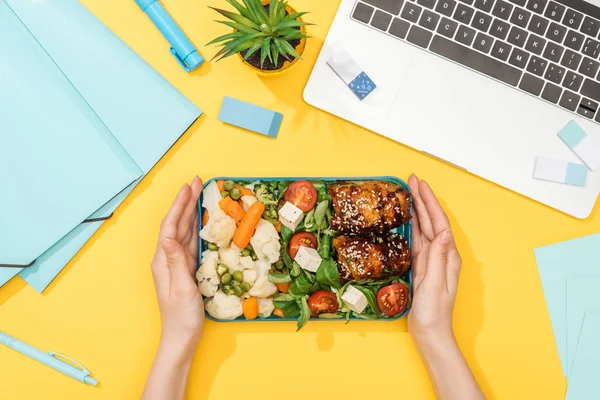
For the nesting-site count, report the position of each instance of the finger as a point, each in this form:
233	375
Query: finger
425	225
437	260
182	282
191	207
169	225
417	242
419	266
193	246
439	220
454	267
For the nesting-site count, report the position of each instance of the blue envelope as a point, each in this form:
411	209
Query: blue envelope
140	113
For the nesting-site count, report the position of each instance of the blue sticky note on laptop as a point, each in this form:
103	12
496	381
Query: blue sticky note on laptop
248	116
570	259
583	383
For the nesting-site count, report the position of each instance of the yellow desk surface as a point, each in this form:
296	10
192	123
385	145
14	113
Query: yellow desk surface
102	311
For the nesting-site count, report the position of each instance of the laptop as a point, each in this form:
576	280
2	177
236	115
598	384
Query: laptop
485	85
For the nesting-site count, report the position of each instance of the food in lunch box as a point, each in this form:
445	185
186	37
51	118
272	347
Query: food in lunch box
301	249
368	207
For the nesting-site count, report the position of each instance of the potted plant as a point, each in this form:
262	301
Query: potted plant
269	36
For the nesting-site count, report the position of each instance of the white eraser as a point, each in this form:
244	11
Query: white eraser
351	73
560	171
587	147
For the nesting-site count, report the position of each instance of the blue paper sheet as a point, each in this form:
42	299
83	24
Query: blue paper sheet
583	383
573	258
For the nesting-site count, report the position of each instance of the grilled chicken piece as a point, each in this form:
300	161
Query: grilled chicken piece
368	207
372	257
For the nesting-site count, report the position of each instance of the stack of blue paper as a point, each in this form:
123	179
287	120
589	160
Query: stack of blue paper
82	120
570	274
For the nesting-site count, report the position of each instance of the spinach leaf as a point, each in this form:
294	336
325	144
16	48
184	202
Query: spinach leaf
296	270
371	296
310	224
328	273
286	234
330	316
285	256
282	298
325	246
277	277
321	190
309	276
291	310
300	286
281	186
321	214
304	313
287	304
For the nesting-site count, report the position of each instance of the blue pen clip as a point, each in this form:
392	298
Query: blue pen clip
81	367
179	60
85	373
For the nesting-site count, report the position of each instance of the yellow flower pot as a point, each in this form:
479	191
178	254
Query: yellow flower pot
287	64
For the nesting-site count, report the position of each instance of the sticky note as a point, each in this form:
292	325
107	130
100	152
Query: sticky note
251	117
557	262
351	73
560	171
583	383
583	296
587	147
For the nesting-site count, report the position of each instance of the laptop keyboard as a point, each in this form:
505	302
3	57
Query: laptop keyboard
548	49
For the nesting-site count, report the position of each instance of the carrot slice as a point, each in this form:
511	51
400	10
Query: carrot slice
232	208
205	218
221	185
278	226
250	307
244	191
278	312
283	287
248	225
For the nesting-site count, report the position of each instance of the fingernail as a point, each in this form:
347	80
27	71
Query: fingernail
167	244
446	236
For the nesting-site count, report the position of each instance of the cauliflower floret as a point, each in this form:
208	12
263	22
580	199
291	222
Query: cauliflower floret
262	267
220	228
251	185
224	307
207	288
265	241
265	307
230	256
262	288
250	276
247	201
247	262
208	279
211	197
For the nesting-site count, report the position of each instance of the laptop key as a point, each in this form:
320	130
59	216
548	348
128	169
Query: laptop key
363	13
555	12
553	52
556	32
419	36
465	35
469	2
555	73
535	44
520	17
590	26
551	93
519	2
572	18
569	100
447	27
399	28
537	65
463	14
517	36
591	48
589	67
484	5
572	81
481	21
426	3
531	84
519	58
381	20
499	29
477	61
571	60
391	6
411	12
574	40
483	42
587	108
501	50
429	20
446	7
537	5
502	9
538	25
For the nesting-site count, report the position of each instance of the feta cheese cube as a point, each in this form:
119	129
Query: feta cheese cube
308	258
355	299
290	215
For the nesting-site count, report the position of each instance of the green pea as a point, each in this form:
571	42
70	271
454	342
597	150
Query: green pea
227	289
238	291
238	276
228	185
226	278
279	265
235	193
245	286
254	257
224	193
246	252
213	247
249	247
221	269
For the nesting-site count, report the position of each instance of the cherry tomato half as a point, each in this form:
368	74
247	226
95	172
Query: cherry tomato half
302	239
302	194
321	302
393	299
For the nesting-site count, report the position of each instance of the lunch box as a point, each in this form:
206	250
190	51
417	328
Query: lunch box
404	230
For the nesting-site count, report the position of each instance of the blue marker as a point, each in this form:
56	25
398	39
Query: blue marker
182	49
50	359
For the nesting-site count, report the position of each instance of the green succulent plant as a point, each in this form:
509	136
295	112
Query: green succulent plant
256	29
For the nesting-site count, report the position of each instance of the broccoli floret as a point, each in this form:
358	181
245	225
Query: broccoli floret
266	195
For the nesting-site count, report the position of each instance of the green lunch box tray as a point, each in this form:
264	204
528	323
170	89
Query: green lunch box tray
404	230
